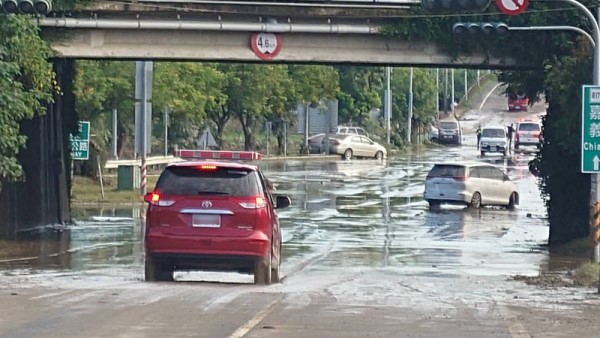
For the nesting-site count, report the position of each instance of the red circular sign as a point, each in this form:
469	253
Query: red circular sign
265	45
512	7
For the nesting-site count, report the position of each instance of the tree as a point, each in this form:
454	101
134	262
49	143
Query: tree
423	98
314	84
280	102
361	90
557	178
250	98
189	90
26	84
100	87
221	113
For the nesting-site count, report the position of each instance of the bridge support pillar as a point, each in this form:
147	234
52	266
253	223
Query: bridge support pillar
42	199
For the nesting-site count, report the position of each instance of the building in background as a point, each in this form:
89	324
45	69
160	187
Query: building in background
320	119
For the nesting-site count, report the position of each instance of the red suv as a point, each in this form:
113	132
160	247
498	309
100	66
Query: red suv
213	215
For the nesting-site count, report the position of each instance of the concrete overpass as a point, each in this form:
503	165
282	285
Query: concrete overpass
176	30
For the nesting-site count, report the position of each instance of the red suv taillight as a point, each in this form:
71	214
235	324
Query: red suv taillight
257	202
460	178
155	198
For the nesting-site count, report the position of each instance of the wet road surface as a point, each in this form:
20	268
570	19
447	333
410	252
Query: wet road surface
363	256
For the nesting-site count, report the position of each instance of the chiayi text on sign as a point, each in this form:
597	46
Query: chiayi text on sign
590	130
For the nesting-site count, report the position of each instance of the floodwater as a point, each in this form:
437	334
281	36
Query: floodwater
345	216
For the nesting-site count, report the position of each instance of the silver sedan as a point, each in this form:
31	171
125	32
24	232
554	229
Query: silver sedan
352	145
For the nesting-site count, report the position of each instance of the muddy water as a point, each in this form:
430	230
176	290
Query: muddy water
345	215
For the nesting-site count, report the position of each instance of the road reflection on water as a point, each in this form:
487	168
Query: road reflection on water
344	215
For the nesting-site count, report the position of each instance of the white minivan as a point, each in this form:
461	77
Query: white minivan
475	184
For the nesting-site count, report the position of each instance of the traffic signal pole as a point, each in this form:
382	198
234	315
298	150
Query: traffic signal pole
595	178
555	28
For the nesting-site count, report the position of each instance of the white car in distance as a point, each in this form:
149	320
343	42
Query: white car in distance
528	133
493	140
473	184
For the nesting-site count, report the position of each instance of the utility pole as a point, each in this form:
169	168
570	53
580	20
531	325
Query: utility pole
306	124
437	94
446	94
387	108
478	76
466	86
115	154
285	132
166	123
143	115
410	106
452	98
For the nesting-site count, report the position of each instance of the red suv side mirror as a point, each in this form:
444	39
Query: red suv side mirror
282	201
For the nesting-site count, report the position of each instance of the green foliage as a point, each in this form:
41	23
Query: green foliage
66	5
26	83
100	87
280	103
314	83
424	96
361	89
191	92
566	189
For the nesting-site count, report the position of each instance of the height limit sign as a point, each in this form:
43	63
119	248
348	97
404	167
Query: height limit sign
590	130
265	45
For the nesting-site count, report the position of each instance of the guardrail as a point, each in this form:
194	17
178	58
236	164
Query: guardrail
164	160
150	161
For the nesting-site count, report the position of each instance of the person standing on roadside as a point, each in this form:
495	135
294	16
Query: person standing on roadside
509	135
478	132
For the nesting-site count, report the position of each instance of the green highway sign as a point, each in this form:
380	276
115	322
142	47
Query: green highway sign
80	142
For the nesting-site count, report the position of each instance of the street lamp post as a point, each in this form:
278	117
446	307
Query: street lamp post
437	86
452	94
410	106
466	86
388	103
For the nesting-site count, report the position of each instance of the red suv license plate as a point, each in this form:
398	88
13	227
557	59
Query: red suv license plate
206	221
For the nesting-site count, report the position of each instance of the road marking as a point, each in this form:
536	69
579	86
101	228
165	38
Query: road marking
488	96
249	325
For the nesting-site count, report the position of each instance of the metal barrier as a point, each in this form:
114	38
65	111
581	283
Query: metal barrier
150	161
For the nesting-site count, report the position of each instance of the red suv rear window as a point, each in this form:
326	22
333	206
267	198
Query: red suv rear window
220	181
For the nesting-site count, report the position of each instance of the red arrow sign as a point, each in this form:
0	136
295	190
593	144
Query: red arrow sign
512	7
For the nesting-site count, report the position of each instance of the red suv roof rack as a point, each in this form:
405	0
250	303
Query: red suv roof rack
191	154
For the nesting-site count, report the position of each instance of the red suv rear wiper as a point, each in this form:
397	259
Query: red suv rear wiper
212	192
